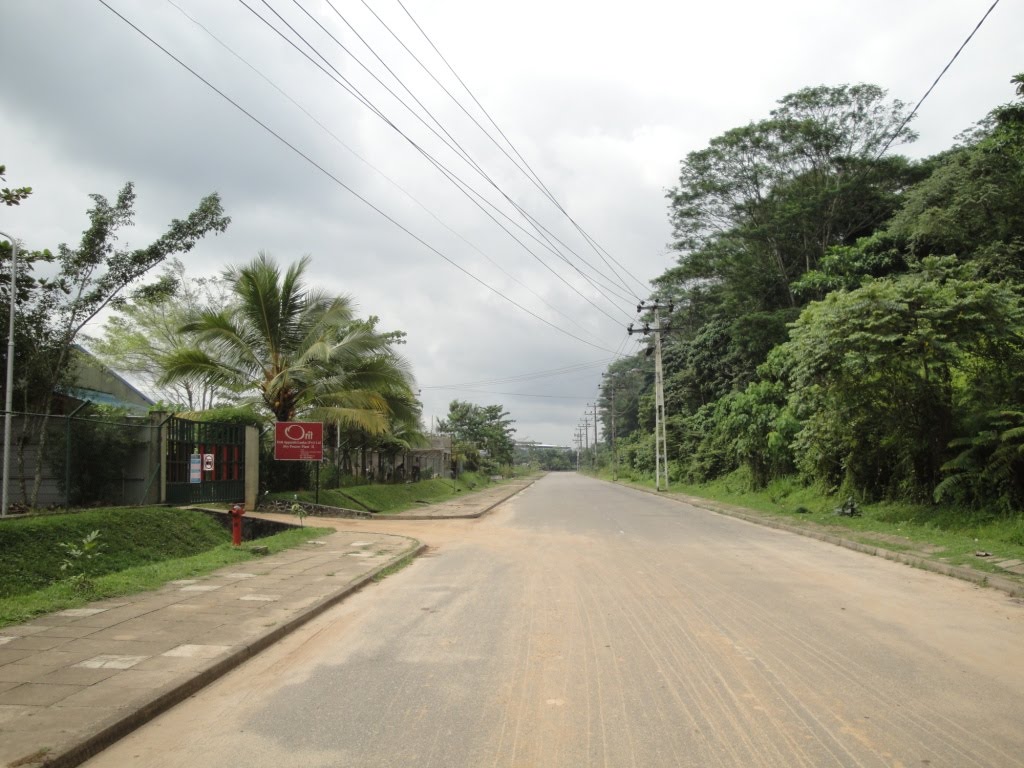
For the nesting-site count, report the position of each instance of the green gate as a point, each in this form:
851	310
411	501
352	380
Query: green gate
225	442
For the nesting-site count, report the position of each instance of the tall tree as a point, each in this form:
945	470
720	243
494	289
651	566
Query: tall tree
93	275
146	327
763	202
298	351
480	429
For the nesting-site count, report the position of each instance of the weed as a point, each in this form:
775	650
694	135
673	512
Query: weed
36	757
79	560
395	567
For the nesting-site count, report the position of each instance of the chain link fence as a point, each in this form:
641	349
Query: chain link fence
97	456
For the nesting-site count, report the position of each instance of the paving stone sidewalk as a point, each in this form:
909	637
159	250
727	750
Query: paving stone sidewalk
73	682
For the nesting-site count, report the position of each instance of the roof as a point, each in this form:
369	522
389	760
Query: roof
104	398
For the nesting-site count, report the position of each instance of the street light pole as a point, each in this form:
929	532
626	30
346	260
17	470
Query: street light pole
9	399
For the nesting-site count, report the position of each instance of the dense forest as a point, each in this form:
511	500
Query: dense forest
842	314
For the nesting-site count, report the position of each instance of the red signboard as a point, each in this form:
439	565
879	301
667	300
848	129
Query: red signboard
299	441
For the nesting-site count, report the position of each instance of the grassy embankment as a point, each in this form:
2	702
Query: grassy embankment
391	498
943	533
142	548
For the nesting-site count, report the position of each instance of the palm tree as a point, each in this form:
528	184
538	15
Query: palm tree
296	351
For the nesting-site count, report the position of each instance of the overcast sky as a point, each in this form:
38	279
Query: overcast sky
602	100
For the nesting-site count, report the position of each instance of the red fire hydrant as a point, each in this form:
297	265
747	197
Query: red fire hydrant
236	523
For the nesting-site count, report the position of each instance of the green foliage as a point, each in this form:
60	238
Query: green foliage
547	459
240	415
299	351
844	267
19	606
875	374
387	498
89	278
9	196
300	512
481	435
762	204
79	560
847	313
147	326
37	341
752	429
33	554
989	470
972	206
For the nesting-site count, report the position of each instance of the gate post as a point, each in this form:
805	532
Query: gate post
163	441
252	466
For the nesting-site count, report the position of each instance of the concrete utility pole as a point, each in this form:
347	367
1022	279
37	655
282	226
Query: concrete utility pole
594	406
585	427
660	441
9	399
610	388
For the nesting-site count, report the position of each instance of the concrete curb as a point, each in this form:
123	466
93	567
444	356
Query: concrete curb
177	693
470	516
964	573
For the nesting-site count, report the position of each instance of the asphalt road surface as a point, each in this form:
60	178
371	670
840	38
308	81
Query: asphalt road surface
582	624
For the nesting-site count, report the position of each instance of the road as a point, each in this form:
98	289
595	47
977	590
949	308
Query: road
582	624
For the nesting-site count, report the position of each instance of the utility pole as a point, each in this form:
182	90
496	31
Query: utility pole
594	406
660	441
585	427
615	455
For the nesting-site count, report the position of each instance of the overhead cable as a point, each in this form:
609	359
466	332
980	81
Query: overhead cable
453	178
339	182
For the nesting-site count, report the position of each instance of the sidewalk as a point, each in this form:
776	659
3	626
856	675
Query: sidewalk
73	682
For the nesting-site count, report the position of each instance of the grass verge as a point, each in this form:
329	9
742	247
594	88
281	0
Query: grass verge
389	499
64	594
941	533
34	547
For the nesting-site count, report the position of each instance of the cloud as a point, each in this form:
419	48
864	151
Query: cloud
602	100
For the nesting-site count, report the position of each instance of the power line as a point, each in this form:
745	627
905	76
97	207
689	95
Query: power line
949	63
539	182
525	376
342	184
462	152
525	168
376	170
450	175
513	394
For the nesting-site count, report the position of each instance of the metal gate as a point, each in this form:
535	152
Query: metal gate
225	442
